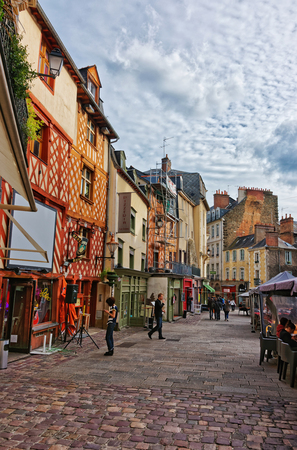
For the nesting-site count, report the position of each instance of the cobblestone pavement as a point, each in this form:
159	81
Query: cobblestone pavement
201	388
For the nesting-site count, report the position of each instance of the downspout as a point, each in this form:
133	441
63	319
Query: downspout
107	208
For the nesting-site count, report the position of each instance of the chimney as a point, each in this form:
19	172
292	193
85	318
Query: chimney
220	199
166	164
272	239
287	229
260	231
241	193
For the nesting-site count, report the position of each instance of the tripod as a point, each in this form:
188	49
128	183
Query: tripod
80	332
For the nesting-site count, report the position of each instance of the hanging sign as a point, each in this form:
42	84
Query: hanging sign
124	212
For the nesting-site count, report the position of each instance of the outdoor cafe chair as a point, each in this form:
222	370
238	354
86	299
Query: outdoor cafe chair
288	356
266	343
278	349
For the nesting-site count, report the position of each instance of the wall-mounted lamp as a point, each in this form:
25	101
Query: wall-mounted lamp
56	60
159	223
208	252
112	246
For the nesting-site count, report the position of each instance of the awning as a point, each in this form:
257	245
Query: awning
211	289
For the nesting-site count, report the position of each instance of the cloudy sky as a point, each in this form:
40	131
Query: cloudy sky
217	76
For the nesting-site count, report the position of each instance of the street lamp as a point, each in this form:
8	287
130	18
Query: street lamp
112	246
208	252
56	60
159	223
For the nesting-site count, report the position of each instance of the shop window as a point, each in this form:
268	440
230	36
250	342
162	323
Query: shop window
131	258
133	219
86	183
39	146
91	132
44	66
43	302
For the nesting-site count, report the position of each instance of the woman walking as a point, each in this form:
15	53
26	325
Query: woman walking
227	309
111	323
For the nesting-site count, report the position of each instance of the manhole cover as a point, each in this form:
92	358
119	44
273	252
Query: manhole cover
127	344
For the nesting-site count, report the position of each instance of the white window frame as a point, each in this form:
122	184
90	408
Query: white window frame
288	257
86	182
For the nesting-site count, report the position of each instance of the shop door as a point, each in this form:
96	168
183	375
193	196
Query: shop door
176	305
125	310
20	317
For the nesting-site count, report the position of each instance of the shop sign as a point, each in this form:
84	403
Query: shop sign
124	212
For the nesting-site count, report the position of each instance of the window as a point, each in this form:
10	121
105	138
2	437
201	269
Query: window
185	257
242	255
43	302
120	252
132	222
180	229
186	231
212	250
131	258
39	146
218	250
92	88
212	267
227	274
218	229
234	274
86	183
142	262
212	231
217	271
242	273
143	229
288	257
43	66
234	255
256	258
227	256
91	132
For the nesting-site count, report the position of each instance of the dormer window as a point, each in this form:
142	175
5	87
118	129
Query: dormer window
92	88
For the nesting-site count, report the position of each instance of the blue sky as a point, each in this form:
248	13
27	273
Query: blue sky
218	76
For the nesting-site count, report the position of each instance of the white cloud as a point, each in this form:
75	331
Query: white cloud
219	76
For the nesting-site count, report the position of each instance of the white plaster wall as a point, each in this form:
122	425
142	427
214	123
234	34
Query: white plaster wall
129	239
62	103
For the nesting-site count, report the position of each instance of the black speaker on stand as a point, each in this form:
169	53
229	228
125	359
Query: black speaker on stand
71	297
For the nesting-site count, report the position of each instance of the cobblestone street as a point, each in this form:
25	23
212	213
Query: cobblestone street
201	388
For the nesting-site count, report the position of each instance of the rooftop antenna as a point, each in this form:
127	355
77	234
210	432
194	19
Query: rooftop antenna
165	145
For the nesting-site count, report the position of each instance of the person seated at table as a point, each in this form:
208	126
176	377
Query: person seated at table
285	335
281	326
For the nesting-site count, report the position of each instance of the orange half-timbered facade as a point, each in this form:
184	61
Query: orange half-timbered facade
68	171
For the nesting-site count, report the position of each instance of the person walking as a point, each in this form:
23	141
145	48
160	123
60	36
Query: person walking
210	307
217	309
111	323
226	310
158	315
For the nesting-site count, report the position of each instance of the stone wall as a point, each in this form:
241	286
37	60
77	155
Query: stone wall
259	206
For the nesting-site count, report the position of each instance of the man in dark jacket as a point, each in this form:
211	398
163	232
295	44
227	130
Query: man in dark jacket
158	315
285	335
